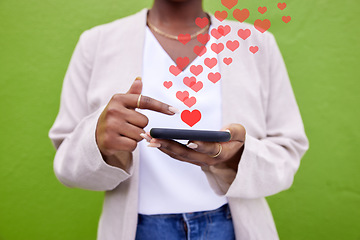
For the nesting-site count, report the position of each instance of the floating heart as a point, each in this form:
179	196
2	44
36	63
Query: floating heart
184	38
232	45
286	19
241	15
229	3
191	118
244	33
214	77
182	95
217	47
203	38
196	70
224	30
210	62
197	86
190	101
281	6
199	50
254	49
189	81
202	22
262	10
215	33
182	62
221	15
262	26
227	61
168	84
174	70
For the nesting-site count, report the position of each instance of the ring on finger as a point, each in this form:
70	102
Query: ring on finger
218	153
138	101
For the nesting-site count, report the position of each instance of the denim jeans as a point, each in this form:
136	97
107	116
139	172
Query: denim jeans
208	225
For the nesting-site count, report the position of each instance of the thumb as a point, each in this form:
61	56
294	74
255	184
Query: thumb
136	87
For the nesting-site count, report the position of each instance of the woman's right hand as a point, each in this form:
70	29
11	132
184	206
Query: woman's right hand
119	125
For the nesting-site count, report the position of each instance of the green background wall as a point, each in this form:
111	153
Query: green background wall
320	46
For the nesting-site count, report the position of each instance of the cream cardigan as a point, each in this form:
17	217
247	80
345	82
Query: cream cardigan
256	92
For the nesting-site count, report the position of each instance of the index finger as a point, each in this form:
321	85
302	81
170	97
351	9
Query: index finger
145	102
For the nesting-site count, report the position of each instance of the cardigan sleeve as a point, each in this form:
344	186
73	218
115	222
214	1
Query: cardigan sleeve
78	161
267	165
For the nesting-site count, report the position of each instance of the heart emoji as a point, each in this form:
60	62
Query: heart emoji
221	15
199	50
190	101
217	47
254	49
232	45
182	95
189	81
197	86
202	22
184	38
196	70
191	118
281	6
203	38
227	61
182	62
168	84
210	62
214	77
224	30
244	33
174	70
215	33
286	19
241	15
262	26
262	10
229	3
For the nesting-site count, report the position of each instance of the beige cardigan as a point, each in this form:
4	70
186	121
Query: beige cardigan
256	92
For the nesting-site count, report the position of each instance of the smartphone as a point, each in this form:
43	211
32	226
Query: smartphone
194	135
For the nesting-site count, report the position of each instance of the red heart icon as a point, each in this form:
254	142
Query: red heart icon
241	15
197	86
217	47
190	101
202	22
196	70
215	33
174	70
229	3
168	84
182	95
184	38
221	15
244	33
286	19
281	6
191	118
214	77
182	62
262	10
224	30
262	26
203	38
227	61
199	50
189	81
210	62
254	49
232	45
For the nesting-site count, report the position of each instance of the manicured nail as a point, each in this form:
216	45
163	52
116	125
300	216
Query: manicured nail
146	137
192	145
138	78
174	109
154	145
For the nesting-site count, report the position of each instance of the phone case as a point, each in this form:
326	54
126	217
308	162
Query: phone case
194	135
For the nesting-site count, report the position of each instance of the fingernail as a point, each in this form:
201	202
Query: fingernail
146	137
154	145
192	145
138	78
174	109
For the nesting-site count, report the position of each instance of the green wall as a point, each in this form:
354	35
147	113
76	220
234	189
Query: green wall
320	46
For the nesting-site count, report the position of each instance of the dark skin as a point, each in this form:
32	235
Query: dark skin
120	127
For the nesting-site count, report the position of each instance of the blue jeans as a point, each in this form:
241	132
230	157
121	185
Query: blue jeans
208	225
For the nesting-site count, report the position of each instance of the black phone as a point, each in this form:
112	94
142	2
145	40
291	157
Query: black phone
194	135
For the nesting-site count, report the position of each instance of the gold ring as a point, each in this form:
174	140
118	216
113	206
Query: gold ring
138	101
220	149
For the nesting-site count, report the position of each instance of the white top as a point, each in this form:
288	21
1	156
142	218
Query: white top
168	185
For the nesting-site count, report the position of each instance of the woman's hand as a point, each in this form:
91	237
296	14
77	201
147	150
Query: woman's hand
119	125
206	153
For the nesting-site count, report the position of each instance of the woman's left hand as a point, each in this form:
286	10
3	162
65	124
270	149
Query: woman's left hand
206	153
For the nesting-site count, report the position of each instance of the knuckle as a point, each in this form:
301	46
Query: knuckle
146	102
184	154
117	97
